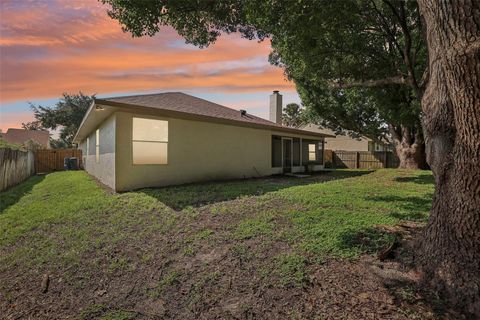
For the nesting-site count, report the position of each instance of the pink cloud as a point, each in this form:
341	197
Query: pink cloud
14	120
51	47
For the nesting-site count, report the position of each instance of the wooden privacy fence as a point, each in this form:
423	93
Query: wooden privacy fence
47	160
15	166
362	159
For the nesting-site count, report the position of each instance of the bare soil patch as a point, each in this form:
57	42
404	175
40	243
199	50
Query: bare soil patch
220	278
277	248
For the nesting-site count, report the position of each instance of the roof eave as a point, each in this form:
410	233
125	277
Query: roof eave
83	121
180	114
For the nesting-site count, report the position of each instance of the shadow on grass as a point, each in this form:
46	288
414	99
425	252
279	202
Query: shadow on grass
412	208
15	193
200	194
405	292
421	179
367	240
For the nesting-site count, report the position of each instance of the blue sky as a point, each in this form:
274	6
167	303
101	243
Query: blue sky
48	47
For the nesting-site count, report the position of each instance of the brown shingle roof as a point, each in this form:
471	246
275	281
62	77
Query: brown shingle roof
187	104
20	136
178	101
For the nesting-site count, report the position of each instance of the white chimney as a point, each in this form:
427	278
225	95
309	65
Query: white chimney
276	107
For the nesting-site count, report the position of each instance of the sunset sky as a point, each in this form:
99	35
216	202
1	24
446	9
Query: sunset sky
48	47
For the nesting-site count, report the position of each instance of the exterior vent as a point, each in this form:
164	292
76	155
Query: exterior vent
243	112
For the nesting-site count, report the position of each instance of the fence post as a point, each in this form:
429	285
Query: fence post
357	162
385	164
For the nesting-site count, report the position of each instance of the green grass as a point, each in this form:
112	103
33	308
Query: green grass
336	215
291	269
342	214
43	200
266	232
102	312
170	279
63	215
195	195
253	227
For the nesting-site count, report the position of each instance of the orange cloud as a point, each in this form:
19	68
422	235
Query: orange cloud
14	120
52	47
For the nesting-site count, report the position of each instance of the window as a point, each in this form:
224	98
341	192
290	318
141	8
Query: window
312	153
97	146
149	141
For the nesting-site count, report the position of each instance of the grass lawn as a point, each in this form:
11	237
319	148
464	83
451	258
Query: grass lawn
262	248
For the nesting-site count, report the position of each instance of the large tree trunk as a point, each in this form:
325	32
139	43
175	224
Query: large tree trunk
409	147
450	249
411	156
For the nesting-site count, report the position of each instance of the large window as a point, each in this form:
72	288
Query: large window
97	146
149	141
312	152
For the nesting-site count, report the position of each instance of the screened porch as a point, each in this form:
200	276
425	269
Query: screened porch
296	154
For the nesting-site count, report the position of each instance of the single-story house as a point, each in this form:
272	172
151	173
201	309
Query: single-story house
173	138
347	143
23	137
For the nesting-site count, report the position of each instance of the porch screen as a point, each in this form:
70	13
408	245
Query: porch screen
149	141
312	153
276	151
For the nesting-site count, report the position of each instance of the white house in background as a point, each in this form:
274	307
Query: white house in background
174	138
347	143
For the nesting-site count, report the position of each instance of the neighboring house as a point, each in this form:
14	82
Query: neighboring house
347	143
22	137
174	138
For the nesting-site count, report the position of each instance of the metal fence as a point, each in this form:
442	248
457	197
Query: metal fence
15	166
361	159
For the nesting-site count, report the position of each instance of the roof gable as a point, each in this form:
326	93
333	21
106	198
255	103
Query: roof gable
177	105
20	136
181	102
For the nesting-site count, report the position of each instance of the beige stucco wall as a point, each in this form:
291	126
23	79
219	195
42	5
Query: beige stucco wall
340	142
197	151
346	144
105	169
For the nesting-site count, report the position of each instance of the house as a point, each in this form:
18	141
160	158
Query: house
347	143
23	137
173	138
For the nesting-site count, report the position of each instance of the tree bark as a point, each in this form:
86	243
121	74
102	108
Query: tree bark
409	147
449	252
411	156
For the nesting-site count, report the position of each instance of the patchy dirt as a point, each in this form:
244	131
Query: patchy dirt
218	279
211	262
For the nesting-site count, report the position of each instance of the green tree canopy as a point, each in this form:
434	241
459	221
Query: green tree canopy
367	58
357	64
66	115
293	115
34	125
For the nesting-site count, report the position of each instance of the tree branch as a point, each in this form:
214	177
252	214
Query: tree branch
402	19
389	33
369	83
395	135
